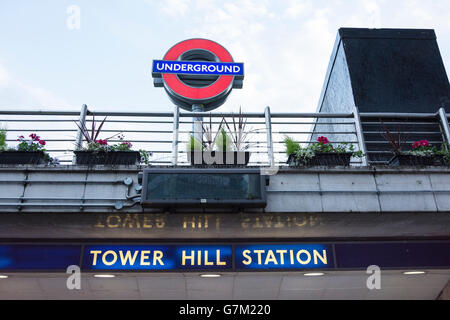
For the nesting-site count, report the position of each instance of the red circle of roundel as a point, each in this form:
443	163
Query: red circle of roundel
204	93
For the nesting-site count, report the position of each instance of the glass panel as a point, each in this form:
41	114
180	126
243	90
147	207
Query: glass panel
218	186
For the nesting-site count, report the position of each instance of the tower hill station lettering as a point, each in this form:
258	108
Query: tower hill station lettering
172	257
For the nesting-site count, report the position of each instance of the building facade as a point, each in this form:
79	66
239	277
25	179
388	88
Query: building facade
262	231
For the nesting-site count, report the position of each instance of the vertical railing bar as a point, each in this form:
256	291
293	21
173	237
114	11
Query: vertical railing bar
79	138
360	136
197	122
269	136
445	126
176	126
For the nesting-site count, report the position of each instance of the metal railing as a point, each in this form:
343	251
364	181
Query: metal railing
165	134
406	128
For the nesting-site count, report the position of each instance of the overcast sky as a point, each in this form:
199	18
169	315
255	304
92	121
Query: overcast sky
285	45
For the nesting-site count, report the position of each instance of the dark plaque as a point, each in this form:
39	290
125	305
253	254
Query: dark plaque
203	187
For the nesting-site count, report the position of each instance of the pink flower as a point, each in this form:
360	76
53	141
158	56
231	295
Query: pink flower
20	138
424	143
416	145
323	140
42	142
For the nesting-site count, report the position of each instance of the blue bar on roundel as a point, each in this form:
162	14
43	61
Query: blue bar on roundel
284	256
197	67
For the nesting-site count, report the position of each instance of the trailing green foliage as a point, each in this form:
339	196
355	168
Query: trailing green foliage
145	156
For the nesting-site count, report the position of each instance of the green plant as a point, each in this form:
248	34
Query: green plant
209	138
422	148
223	141
123	146
91	135
303	155
3	145
145	156
349	147
291	145
445	152
34	144
239	134
101	145
194	145
396	142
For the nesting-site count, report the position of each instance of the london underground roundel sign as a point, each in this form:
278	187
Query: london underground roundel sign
198	72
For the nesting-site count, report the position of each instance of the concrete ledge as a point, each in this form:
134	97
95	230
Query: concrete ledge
281	169
309	190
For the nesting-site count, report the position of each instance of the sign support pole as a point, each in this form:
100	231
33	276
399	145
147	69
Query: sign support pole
79	139
269	136
176	126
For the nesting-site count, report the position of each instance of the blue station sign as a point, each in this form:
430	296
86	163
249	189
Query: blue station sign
223	257
198	68
207	257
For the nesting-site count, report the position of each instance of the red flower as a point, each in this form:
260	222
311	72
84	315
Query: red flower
323	140
102	142
416	144
34	137
42	142
424	143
